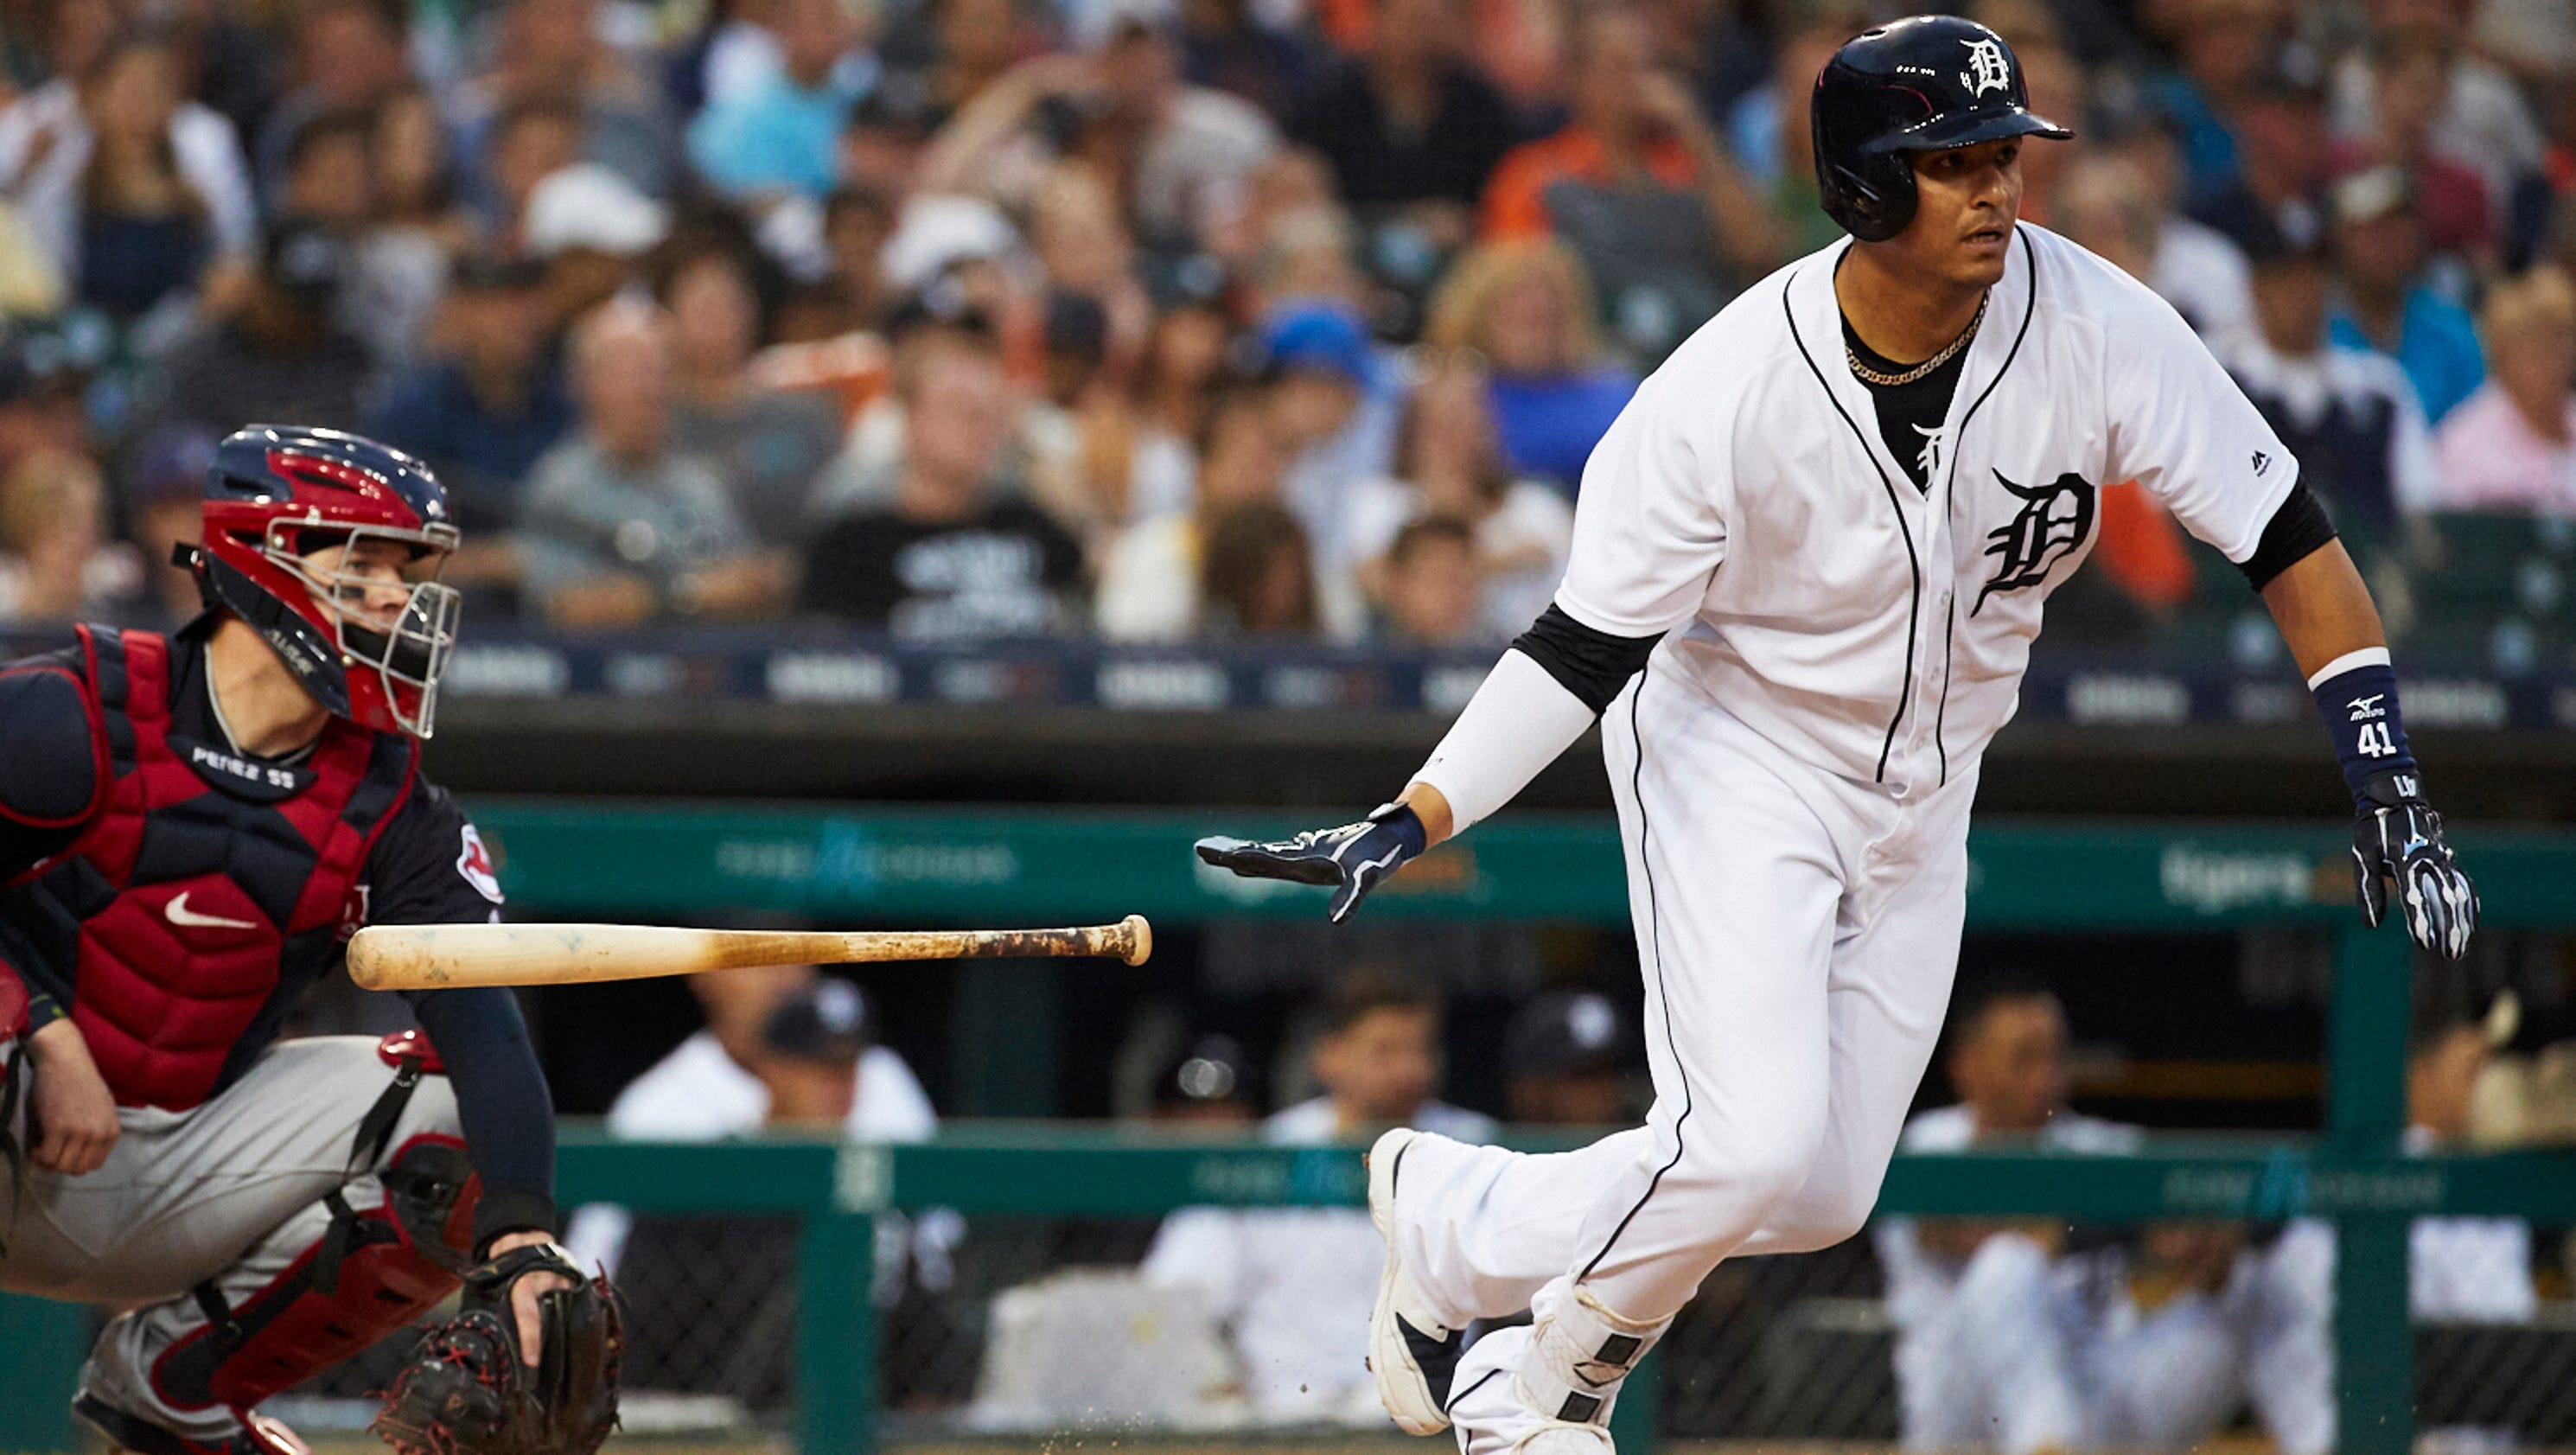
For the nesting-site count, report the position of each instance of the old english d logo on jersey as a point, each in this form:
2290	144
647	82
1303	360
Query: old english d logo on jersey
2053	522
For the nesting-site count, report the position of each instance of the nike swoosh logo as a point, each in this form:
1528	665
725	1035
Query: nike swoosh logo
179	914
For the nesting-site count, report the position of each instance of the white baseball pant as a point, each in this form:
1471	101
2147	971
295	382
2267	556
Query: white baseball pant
1798	932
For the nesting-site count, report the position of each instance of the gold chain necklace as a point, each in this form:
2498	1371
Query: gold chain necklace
1869	375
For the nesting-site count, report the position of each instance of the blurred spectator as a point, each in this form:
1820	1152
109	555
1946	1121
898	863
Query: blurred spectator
164	497
1335	426
40	404
2512	444
1720	45
491	400
942	548
1449	463
785	1049
1295	1286
1526	308
2130	200
780	135
2279	157
1573	1060
1183	360
1236	563
1434	585
327	174
2224	48
2057	88
2462	1267
2411	69
1411	130
1094	463
2348	416
348	57
767	445
2387	306
1225	48
551	52
524	144
409	241
57	561
131	189
2474	115
593	229
1770	129
1256	575
280	356
850	295
1641	188
618	525
1982	1356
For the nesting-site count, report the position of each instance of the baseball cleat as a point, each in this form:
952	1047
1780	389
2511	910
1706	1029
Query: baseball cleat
1413	1354
259	1435
1493	1414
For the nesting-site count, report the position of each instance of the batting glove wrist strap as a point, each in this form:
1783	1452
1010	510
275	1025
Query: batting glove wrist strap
2397	838
1351	858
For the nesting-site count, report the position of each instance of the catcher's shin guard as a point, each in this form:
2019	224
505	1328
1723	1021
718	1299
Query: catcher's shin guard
368	1274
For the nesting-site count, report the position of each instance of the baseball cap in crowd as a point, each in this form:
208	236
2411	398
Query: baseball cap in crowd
589	206
829	1020
171	464
1568	1033
935	234
2372	193
304	260
1077	326
1314	336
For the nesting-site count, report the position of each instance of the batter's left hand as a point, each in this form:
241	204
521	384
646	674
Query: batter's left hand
1353	858
523	1294
2397	836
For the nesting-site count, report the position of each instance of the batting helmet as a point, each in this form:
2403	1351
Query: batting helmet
1923	84
275	495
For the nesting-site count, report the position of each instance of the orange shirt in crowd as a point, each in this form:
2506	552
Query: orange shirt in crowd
2141	548
1516	197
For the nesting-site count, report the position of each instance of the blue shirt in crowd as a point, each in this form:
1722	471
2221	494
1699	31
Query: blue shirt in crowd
1549	425
481	455
778	137
2437	346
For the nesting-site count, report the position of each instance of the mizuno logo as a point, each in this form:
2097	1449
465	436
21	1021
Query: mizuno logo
179	914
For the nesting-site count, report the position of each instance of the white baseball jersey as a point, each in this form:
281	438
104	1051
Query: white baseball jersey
1872	629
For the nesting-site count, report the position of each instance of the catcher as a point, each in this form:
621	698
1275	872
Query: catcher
191	826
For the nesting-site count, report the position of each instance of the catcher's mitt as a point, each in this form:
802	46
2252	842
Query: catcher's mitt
467	1392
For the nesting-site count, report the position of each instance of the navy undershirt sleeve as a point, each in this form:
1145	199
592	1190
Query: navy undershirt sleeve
2298	530
1591	664
502	1099
49	772
428	868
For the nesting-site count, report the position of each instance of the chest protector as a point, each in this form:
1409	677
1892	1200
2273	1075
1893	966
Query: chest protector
208	891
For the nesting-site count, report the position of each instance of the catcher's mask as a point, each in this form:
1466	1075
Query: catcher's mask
329	546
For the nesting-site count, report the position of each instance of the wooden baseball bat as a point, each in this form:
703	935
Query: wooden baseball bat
433	957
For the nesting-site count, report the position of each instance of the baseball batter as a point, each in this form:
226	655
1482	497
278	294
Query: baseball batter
1809	560
191	827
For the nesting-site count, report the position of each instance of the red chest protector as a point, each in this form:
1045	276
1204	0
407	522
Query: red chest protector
209	891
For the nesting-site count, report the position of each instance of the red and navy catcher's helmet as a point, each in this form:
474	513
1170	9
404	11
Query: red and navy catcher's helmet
277	493
1923	84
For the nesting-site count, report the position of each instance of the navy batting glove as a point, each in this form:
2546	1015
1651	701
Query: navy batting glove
1353	857
2397	836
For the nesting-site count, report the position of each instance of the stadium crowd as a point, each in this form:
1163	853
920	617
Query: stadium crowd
1159	318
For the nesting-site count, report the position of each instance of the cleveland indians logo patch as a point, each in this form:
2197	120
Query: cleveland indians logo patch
1987	68
2053	523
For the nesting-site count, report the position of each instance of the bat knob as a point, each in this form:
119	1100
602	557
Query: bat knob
1139	938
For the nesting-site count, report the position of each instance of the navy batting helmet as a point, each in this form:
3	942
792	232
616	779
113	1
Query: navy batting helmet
1923	84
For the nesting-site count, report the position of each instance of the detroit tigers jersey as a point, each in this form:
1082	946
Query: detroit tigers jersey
1878	631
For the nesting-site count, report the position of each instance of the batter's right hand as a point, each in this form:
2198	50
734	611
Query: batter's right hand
1353	857
73	1112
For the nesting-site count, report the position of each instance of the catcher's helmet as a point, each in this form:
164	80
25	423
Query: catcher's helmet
1922	84
277	493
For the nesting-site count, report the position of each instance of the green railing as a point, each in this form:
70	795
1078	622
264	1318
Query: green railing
980	868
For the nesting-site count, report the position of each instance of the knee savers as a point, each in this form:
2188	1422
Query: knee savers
370	1272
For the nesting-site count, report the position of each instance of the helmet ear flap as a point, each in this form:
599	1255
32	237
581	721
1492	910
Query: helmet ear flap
1873	201
297	642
